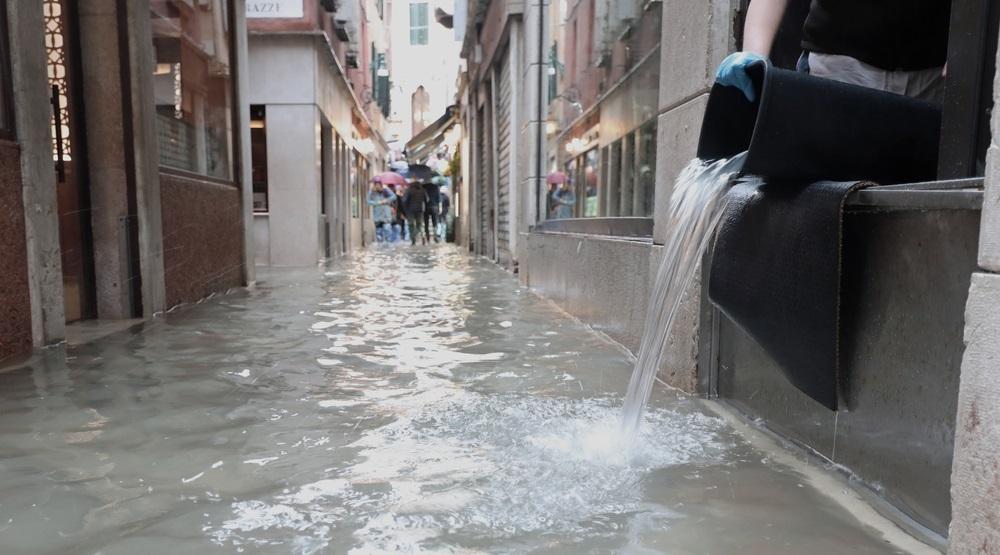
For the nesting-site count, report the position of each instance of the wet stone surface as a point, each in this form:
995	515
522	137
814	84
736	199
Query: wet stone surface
401	401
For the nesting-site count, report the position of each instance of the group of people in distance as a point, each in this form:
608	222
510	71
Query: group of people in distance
417	210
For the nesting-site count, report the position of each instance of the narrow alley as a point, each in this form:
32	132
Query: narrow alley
400	400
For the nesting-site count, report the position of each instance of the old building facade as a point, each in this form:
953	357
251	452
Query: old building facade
319	101
126	150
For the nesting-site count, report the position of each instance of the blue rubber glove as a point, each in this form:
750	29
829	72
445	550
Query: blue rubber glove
733	72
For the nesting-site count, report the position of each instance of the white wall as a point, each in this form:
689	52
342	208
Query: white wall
435	66
293	176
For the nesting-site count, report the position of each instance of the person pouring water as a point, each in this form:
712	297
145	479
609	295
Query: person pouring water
898	46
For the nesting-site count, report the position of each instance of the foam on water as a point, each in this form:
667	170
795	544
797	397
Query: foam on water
476	466
696	207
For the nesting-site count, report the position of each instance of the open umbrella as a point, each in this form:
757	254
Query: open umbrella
420	172
390	178
556	178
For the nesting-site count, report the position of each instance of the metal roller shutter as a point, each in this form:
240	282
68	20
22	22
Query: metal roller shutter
503	160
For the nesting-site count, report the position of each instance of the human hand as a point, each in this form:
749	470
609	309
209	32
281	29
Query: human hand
733	72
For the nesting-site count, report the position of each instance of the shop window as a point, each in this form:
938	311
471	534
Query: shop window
193	85
614	179
418	23
627	176
645	178
590	184
258	150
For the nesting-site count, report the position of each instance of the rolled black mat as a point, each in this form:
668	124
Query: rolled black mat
806	128
776	273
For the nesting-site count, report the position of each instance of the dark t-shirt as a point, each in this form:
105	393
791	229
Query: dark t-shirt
888	34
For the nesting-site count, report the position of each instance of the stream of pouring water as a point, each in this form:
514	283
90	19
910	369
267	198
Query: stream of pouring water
696	206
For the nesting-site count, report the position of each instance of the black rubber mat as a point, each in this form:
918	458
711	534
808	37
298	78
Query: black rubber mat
776	273
777	265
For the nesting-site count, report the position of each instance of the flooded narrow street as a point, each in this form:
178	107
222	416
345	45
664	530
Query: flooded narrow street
400	401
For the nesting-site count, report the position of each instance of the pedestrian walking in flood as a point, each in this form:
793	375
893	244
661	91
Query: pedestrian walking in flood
445	209
563	200
381	199
414	205
398	217
431	213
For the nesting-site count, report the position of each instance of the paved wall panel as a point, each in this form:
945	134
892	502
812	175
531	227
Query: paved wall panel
202	238
15	307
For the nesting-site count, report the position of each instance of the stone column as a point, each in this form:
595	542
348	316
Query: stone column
146	154
975	477
696	37
293	168
41	208
121	139
532	91
244	160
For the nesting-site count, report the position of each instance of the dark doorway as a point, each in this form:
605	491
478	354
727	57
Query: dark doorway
69	153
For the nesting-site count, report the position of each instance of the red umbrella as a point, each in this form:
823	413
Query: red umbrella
556	178
390	178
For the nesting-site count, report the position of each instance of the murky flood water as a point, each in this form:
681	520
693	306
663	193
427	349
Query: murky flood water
403	401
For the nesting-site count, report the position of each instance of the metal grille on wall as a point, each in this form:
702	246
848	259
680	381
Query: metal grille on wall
55	49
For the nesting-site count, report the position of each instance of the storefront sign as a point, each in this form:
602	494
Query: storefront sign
274	9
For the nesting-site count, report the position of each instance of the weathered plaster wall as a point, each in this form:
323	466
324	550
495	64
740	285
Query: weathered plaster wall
15	308
975	479
202	238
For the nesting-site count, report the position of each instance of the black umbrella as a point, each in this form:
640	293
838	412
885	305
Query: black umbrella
420	172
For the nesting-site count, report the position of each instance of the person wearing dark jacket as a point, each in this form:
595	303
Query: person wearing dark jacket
433	203
414	204
900	46
445	209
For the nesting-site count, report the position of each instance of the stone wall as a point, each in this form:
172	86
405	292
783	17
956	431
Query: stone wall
15	308
696	37
600	280
975	480
202	238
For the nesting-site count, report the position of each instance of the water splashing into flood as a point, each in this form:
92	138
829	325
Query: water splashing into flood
696	207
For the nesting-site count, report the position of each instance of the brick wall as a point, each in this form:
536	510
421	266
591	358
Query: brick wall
15	306
202	238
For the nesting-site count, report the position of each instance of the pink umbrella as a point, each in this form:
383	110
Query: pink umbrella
390	178
556	178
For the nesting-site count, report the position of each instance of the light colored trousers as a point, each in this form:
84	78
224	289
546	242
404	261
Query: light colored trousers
925	84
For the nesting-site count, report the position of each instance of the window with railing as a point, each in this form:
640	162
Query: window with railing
192	80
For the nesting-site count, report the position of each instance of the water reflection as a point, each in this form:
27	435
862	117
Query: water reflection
402	401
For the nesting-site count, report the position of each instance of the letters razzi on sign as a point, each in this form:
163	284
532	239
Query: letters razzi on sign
274	8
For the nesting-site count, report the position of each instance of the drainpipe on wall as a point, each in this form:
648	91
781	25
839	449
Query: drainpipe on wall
541	109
